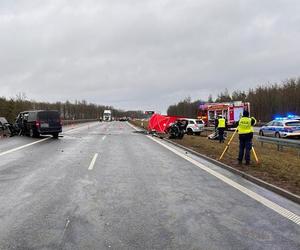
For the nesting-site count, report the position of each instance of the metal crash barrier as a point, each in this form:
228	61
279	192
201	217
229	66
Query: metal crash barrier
72	122
280	143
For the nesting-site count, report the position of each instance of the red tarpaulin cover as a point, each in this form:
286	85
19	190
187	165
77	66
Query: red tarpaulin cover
160	123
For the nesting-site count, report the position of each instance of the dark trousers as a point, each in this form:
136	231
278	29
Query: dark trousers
221	134
245	146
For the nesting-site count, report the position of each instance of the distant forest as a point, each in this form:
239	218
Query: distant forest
9	108
266	101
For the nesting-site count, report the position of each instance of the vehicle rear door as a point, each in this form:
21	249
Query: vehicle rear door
293	126
200	124
49	119
191	124
54	119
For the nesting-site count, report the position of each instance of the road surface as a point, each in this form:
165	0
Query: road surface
106	186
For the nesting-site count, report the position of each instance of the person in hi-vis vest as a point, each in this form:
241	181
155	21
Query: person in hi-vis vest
221	128
245	130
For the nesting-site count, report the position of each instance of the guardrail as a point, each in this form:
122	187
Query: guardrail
280	143
72	122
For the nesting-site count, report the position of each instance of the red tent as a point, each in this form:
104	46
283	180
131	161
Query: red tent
160	123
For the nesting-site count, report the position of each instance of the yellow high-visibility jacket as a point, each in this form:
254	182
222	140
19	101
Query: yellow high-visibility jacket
221	123
245	126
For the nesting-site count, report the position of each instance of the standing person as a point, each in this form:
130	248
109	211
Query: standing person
20	124
245	130
221	128
216	123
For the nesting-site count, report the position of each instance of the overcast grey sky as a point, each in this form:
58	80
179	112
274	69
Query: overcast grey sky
145	54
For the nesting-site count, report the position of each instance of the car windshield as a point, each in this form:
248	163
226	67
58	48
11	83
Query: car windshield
199	122
293	124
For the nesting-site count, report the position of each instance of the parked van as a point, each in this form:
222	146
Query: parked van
39	122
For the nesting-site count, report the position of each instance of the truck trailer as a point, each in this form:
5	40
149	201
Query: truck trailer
107	115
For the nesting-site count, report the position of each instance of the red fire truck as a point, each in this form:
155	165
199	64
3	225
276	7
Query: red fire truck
231	111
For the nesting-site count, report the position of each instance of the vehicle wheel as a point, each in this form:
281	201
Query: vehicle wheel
198	133
55	135
261	133
190	131
277	135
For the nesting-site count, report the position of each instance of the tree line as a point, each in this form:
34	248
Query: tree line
266	101
10	108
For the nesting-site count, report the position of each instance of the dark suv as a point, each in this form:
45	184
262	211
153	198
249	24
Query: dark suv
39	122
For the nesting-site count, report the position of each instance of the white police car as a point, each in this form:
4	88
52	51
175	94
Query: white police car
282	127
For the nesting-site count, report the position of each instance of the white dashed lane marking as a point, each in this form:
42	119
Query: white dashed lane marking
91	166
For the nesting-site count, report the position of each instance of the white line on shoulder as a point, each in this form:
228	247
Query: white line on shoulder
275	207
134	127
24	146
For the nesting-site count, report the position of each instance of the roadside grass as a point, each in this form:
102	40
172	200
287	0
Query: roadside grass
280	168
140	123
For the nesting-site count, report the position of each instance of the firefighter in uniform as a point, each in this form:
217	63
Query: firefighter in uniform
245	130
221	128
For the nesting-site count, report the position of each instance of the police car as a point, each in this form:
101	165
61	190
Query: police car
282	127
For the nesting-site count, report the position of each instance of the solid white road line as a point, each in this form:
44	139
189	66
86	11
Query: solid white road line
134	127
275	207
93	162
103	138
32	143
24	146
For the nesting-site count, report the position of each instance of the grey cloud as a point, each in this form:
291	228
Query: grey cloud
144	54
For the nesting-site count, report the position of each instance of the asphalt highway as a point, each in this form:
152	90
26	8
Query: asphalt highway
107	186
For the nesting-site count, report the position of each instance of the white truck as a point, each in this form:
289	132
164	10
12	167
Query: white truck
107	115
